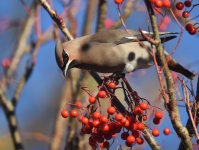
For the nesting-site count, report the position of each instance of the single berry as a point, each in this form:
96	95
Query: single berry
6	63
95	123
74	113
118	117
144	106
156	121
140	126
111	110
188	3
105	128
137	110
166	131
144	117
84	120
139	140
102	94
158	3
158	115
136	133
64	113
123	121
167	3
179	5
193	30
96	115
189	26
105	144
103	119
130	139
185	14
92	99
134	126
112	85
155	132
118	1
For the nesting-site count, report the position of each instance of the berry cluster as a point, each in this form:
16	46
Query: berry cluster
160	3
192	29
104	126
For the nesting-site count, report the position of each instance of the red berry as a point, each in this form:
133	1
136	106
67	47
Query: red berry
127	123
123	121
92	99
189	26
118	1
74	113
111	110
135	133
96	115
185	14
144	106
105	144
137	110
144	117
167	3
158	3
124	135
139	140
102	94
134	126
155	132
130	139
84	120
193	30
158	115
112	85
140	126
156	121
179	5
95	123
64	113
166	131
103	119
6	63
188	3
105	128
118	117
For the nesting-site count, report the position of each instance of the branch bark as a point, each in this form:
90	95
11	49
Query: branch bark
172	105
189	124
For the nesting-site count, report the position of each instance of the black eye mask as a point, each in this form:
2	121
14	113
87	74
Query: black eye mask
65	59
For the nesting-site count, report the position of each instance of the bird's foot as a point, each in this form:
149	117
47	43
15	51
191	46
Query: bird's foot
117	75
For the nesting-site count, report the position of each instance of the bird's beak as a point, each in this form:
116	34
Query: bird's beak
66	68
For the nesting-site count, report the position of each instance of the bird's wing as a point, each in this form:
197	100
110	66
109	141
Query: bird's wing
121	36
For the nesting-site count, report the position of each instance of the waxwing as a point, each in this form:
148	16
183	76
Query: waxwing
112	51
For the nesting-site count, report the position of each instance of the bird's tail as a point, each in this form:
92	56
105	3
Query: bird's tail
174	66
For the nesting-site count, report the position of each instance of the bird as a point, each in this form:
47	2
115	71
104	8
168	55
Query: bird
113	51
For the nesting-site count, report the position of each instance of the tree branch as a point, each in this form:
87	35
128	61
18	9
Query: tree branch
172	105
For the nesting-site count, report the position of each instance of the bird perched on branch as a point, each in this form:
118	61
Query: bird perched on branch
113	51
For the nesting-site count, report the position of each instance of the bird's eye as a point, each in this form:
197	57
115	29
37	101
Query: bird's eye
65	58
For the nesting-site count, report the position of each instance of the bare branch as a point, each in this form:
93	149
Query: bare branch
102	10
172	105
